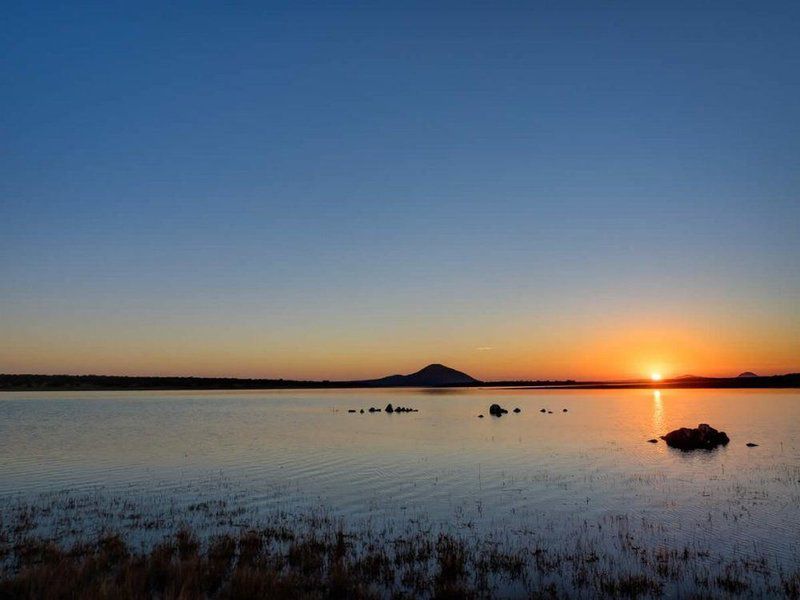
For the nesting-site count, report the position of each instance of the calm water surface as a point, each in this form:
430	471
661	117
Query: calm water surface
561	474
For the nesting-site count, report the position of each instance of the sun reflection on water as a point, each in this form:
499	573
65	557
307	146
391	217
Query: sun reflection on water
658	412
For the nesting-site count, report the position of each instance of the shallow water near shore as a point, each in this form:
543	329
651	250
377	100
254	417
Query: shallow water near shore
216	460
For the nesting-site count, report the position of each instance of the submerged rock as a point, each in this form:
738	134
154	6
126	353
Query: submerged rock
704	437
497	410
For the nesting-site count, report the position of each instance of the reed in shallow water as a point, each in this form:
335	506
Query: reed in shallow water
319	557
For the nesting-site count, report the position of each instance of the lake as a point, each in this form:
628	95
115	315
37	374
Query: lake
90	460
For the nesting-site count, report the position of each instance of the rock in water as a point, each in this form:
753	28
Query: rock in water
653	441
518	410
751	445
704	437
497	410
389	408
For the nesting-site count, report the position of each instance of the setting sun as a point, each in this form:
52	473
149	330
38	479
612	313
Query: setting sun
655	376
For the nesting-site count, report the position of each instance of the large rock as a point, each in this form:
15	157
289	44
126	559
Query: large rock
704	437
497	410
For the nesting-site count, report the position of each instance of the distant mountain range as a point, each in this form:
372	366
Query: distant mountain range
432	376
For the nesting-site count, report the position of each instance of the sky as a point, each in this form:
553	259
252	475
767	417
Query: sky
517	190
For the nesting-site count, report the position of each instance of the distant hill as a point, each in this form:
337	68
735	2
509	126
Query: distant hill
434	375
747	374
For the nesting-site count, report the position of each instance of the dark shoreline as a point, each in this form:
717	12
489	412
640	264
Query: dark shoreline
67	383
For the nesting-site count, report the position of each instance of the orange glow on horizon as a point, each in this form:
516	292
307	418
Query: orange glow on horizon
518	347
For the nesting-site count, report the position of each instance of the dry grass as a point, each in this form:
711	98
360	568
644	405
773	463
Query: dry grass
314	556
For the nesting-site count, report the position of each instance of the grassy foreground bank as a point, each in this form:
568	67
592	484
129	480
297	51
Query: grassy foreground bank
317	557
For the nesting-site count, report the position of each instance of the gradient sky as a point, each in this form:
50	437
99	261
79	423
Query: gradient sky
516	190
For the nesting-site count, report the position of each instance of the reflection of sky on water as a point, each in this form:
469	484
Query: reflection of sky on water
301	450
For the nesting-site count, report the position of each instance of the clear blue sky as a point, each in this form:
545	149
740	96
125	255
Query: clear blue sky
522	189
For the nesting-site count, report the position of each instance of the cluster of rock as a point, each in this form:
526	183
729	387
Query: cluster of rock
389	409
498	411
399	409
703	437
